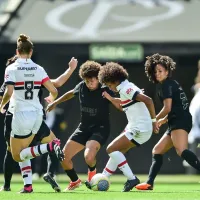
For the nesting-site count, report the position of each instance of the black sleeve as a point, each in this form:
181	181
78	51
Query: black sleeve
77	88
2	89
110	92
167	89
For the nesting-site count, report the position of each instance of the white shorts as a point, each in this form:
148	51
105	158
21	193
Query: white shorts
137	137
26	123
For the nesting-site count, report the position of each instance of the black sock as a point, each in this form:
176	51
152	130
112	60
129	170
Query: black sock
52	161
157	161
8	168
92	168
72	174
191	158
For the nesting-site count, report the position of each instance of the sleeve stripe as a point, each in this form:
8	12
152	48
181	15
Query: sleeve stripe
9	83
45	79
134	96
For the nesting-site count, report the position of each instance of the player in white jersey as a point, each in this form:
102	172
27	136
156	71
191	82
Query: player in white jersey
141	116
24	79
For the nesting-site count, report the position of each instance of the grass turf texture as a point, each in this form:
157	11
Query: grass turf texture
171	187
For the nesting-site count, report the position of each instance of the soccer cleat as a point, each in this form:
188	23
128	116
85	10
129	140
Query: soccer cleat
49	179
91	174
73	185
130	184
6	189
28	189
144	186
87	184
54	146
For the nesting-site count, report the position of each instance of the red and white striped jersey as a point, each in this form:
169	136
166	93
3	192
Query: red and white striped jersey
27	78
136	112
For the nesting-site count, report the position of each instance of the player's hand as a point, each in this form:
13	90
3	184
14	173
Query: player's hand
73	63
50	107
49	99
2	110
106	95
162	121
155	127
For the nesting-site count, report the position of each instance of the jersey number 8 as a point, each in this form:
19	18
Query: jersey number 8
29	86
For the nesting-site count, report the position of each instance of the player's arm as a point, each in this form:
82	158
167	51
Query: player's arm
6	97
150	106
115	101
1	98
167	105
68	95
52	90
58	82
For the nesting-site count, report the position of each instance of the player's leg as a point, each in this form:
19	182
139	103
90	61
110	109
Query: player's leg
163	145
180	140
98	138
8	160
91	149
70	149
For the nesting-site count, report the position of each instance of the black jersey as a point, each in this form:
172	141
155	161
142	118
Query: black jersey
171	89
94	107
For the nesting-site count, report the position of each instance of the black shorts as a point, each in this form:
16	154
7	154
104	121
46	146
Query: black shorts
184	124
44	130
99	133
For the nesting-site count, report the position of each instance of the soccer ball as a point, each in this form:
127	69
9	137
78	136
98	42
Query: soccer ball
99	182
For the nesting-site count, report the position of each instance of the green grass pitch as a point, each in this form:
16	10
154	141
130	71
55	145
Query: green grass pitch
177	187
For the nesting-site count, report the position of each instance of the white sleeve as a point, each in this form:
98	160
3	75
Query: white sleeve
44	76
131	92
9	77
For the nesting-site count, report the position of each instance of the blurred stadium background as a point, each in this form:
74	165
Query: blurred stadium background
125	31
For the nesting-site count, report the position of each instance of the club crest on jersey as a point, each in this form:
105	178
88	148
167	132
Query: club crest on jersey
129	90
6	76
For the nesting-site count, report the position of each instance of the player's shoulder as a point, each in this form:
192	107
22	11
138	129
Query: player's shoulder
11	67
170	82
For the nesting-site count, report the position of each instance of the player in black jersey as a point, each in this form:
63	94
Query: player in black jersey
44	131
94	128
175	111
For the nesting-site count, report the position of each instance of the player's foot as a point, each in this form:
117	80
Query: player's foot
130	184
87	184
55	147
49	179
28	189
73	185
91	174
144	186
6	189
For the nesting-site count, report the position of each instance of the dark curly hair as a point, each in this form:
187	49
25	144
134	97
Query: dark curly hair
89	69
155	59
112	72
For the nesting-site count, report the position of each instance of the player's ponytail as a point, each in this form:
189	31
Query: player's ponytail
24	44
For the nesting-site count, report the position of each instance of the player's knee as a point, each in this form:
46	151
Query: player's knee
156	150
109	149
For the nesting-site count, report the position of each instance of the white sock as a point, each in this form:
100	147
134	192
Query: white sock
110	168
120	160
26	171
32	152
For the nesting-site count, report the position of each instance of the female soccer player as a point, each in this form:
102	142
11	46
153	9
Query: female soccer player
44	131
24	79
175	111
93	130
140	113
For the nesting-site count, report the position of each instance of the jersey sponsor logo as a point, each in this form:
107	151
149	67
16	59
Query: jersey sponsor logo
27	68
29	75
129	90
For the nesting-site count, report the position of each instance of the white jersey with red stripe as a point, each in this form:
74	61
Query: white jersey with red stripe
137	113
27	78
